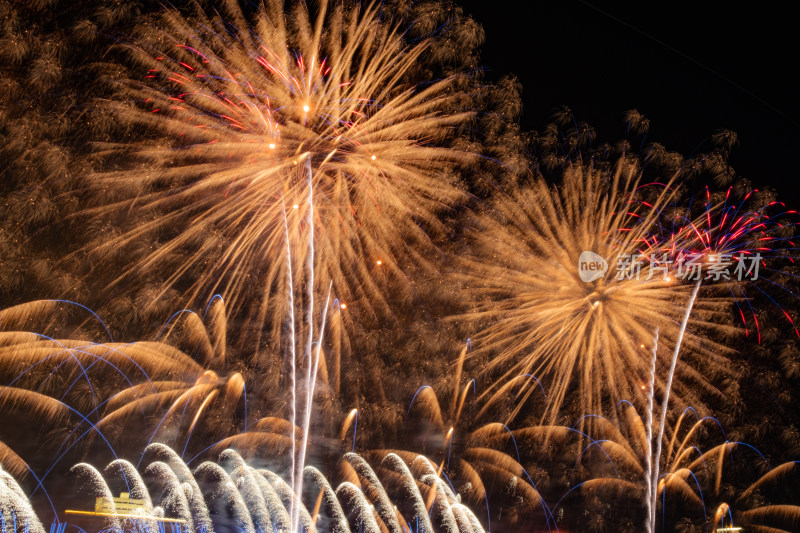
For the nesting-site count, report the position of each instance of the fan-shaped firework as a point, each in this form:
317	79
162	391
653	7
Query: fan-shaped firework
478	459
181	389
87	392
762	506
250	110
168	395
694	479
538	317
625	456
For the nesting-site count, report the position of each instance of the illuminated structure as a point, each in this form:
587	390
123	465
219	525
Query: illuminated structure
116	505
122	507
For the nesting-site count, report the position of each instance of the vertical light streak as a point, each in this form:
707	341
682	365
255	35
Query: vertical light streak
650	486
665	402
294	349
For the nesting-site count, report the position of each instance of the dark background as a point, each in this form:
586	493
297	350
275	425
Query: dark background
691	68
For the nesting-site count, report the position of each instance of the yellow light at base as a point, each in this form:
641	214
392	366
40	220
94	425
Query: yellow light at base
131	516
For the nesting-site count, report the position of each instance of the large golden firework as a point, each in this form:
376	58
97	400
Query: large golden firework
535	315
245	122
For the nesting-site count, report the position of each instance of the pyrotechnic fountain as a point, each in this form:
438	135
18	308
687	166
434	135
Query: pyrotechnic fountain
234	495
16	513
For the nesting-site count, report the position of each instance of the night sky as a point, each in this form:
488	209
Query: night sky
691	68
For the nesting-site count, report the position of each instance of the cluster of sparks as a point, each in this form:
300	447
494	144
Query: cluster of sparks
263	135
239	116
729	228
543	320
538	317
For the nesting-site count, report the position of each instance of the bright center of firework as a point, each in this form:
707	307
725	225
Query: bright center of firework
596	296
374	158
306	108
295	206
271	146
